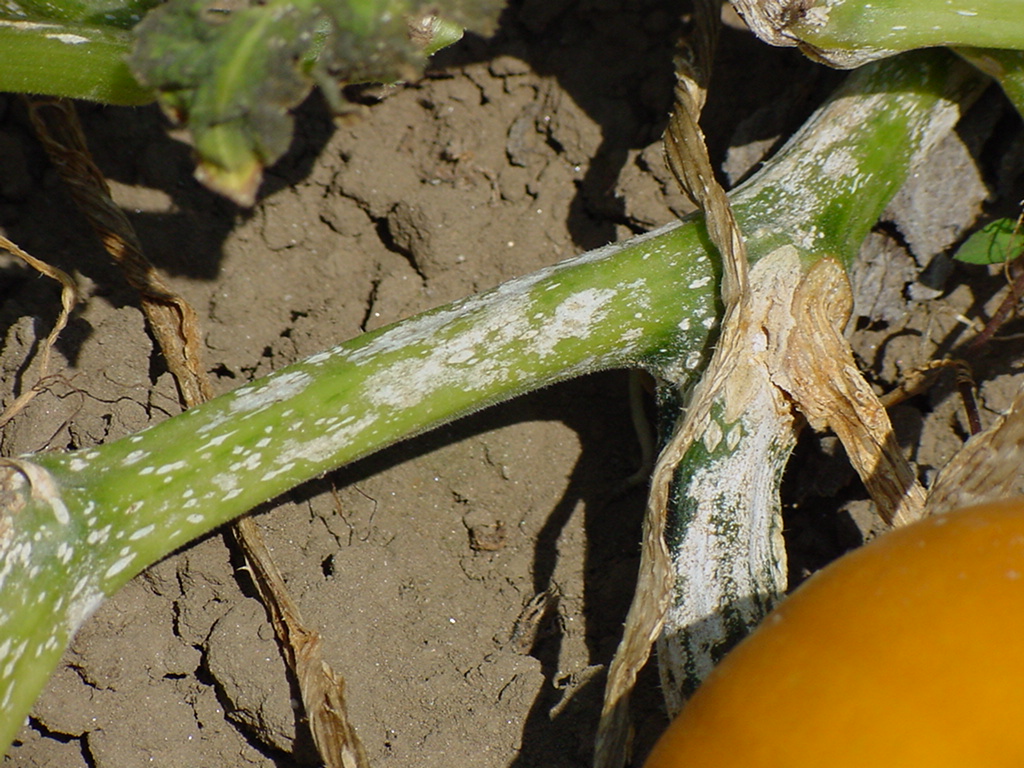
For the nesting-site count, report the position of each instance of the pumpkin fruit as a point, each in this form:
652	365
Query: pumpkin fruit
906	652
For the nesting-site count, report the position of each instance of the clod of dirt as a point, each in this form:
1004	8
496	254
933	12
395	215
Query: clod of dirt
486	532
880	281
939	201
244	660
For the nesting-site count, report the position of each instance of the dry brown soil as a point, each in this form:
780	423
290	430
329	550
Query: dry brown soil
417	563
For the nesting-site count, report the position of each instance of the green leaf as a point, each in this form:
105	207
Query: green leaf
440	34
231	70
997	242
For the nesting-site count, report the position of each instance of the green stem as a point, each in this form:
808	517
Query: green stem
1006	67
68	59
119	14
903	25
74	527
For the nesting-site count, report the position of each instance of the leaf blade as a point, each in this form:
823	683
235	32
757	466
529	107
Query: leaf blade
997	242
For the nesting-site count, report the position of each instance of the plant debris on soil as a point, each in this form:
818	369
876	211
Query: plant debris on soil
470	584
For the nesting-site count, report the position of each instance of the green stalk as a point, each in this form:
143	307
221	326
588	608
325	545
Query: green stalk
68	59
850	33
903	25
120	14
75	527
1006	67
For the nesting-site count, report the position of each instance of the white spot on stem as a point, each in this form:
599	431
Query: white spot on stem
67	38
142	532
134	457
163	470
119	565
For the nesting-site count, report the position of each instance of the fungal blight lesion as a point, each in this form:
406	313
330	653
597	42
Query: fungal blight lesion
575	317
253	398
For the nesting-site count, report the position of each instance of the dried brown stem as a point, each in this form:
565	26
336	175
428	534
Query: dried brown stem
172	320
1003	314
988	467
817	369
917	380
323	692
68	299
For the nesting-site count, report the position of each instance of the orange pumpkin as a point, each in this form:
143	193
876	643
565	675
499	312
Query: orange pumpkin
906	652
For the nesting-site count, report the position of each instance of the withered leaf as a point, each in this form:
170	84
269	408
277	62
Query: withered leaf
232	69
